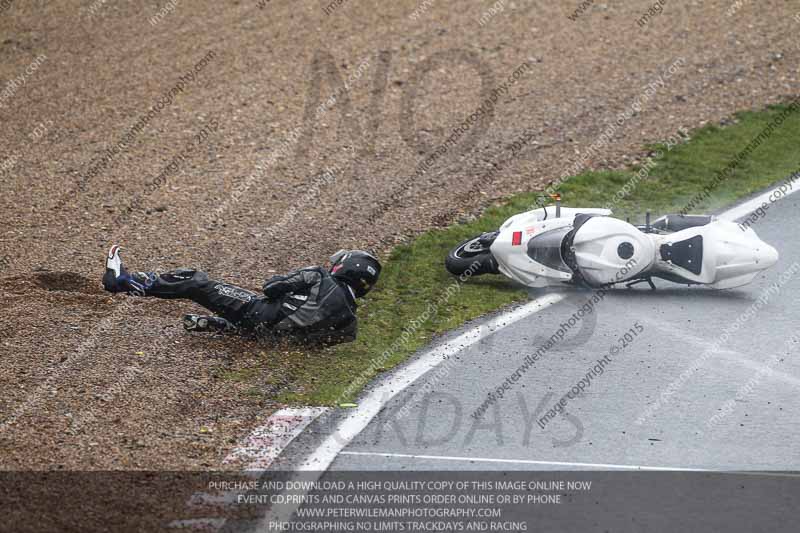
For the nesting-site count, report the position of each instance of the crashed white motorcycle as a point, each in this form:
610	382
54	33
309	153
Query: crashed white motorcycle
555	245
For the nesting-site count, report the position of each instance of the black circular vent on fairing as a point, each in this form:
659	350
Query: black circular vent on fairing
625	250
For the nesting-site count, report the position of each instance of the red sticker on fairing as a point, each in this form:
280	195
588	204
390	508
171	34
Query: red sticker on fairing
516	239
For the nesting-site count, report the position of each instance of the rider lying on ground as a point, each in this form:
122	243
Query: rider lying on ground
309	304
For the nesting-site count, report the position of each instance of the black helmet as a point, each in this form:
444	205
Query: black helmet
359	269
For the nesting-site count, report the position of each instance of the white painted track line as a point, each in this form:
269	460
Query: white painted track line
747	207
603	466
761	368
723	353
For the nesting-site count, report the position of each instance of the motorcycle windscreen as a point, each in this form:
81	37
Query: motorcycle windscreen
546	249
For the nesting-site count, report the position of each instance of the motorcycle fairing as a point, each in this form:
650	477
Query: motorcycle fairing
514	262
512	259
549	214
731	257
602	251
606	251
545	249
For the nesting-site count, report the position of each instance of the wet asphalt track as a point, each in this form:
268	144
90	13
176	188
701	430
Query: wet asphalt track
628	416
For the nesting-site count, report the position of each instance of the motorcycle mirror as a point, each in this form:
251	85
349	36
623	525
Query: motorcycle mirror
647	221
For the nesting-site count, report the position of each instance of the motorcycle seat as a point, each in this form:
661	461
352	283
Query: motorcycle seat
673	223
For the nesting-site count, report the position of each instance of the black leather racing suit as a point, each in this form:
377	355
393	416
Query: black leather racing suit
308	303
313	302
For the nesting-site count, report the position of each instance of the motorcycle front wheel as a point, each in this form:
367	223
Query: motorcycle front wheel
473	255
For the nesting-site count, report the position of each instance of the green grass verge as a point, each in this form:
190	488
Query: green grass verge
414	274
